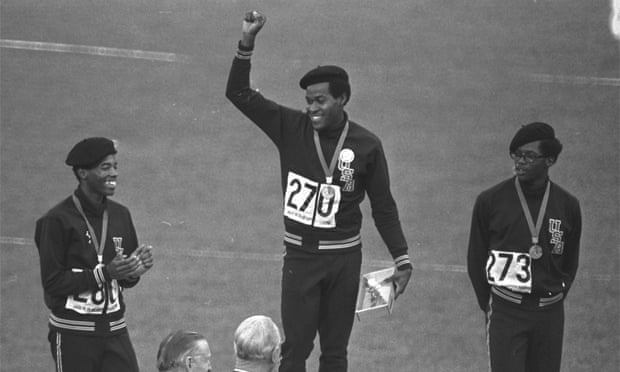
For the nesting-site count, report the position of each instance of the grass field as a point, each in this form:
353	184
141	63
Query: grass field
444	83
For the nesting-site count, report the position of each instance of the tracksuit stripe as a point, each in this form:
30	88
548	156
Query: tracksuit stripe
402	260
518	299
58	352
325	244
551	300
339	244
84	326
514	298
244	54
488	328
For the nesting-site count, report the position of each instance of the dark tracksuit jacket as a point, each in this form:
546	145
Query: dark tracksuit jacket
498	223
81	296
308	223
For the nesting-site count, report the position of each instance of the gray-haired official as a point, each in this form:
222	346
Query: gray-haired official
257	342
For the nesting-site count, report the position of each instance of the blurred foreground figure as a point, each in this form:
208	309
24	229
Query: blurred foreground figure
184	351
257	345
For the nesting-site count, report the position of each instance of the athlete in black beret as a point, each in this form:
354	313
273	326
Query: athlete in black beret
90	151
88	253
537	131
523	256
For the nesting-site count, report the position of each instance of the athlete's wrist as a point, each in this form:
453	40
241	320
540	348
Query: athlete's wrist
243	51
403	262
246	43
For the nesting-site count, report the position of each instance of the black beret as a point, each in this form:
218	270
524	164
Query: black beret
531	132
90	151
322	74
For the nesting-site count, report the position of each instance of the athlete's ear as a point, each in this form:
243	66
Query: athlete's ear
81	172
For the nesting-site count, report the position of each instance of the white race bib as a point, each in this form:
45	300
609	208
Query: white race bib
94	302
311	203
512	270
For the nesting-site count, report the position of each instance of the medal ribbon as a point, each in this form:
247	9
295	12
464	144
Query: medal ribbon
332	165
104	229
534	230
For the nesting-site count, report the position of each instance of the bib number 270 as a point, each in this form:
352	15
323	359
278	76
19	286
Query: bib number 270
511	270
311	203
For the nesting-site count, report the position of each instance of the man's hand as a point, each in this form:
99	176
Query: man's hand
122	267
400	280
143	252
252	24
145	260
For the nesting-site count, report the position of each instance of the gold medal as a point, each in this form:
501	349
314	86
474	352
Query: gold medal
328	192
536	251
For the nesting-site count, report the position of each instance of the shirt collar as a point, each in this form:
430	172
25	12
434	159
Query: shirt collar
89	207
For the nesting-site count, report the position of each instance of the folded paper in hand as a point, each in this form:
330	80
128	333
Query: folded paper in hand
375	292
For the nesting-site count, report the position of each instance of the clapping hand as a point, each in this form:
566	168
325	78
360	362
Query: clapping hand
134	266
145	260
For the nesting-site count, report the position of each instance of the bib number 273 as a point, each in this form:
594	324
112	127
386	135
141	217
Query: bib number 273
310	202
512	270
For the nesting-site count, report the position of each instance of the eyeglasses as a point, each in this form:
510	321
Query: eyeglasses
528	157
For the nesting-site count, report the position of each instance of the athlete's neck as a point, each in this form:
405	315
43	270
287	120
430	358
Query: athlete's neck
94	197
534	184
334	129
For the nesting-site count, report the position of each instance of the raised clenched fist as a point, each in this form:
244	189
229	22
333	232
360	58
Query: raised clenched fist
253	22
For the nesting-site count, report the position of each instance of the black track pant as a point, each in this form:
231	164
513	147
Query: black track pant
524	341
75	353
319	293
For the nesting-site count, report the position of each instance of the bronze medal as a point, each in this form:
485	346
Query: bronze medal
536	251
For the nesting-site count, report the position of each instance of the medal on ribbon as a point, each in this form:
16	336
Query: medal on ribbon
535	251
328	191
99	247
